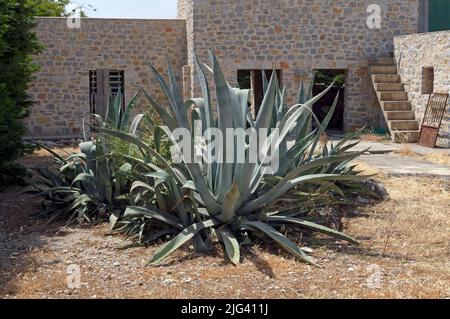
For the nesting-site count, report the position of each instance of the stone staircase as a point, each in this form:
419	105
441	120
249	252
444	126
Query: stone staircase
393	99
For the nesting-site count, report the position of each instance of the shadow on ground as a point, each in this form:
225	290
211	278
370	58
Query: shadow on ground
20	233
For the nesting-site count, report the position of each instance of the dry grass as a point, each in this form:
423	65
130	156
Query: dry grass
406	150
373	138
42	157
439	158
369	170
66	151
434	157
404	243
412	228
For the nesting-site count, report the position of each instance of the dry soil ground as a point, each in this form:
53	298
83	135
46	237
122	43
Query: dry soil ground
404	253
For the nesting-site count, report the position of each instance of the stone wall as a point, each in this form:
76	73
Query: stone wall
186	12
61	87
298	36
418	51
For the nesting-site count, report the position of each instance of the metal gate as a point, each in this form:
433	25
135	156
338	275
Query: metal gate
432	119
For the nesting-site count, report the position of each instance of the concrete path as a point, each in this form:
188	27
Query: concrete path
394	164
389	147
383	156
375	147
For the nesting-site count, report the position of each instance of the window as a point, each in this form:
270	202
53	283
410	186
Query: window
433	15
253	79
427	80
438	11
104	85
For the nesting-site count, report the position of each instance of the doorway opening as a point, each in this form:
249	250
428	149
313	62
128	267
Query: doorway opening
322	80
253	80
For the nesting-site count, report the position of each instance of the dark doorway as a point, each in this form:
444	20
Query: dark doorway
323	79
253	79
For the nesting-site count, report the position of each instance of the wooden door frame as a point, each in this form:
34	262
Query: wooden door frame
103	91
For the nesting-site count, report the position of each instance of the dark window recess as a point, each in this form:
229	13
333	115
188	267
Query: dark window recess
253	79
427	80
244	79
323	79
103	87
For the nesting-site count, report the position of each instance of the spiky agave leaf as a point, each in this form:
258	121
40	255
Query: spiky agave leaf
232	246
311	226
186	235
280	239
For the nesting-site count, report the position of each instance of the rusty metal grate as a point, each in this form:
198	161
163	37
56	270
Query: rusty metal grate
93	91
434	114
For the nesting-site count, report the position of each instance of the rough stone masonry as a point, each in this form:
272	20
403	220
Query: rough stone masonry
296	36
414	53
61	87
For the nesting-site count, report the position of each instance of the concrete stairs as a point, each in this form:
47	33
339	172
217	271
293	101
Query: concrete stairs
393	100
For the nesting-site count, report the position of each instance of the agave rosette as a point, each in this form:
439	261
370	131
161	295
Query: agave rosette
230	199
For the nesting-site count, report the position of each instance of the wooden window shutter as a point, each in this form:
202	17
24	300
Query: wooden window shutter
104	84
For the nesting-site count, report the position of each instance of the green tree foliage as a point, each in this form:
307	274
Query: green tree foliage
49	8
17	45
329	76
57	8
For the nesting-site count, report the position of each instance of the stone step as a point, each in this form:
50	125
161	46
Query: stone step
382	61
386	78
383	69
383	87
400	115
404	125
393	96
406	136
396	106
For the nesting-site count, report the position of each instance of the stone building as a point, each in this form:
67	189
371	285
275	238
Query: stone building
294	37
62	89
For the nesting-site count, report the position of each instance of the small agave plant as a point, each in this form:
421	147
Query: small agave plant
231	201
88	184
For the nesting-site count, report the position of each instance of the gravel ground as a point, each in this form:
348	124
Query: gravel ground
404	253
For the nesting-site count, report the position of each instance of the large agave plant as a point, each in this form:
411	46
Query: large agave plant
232	199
